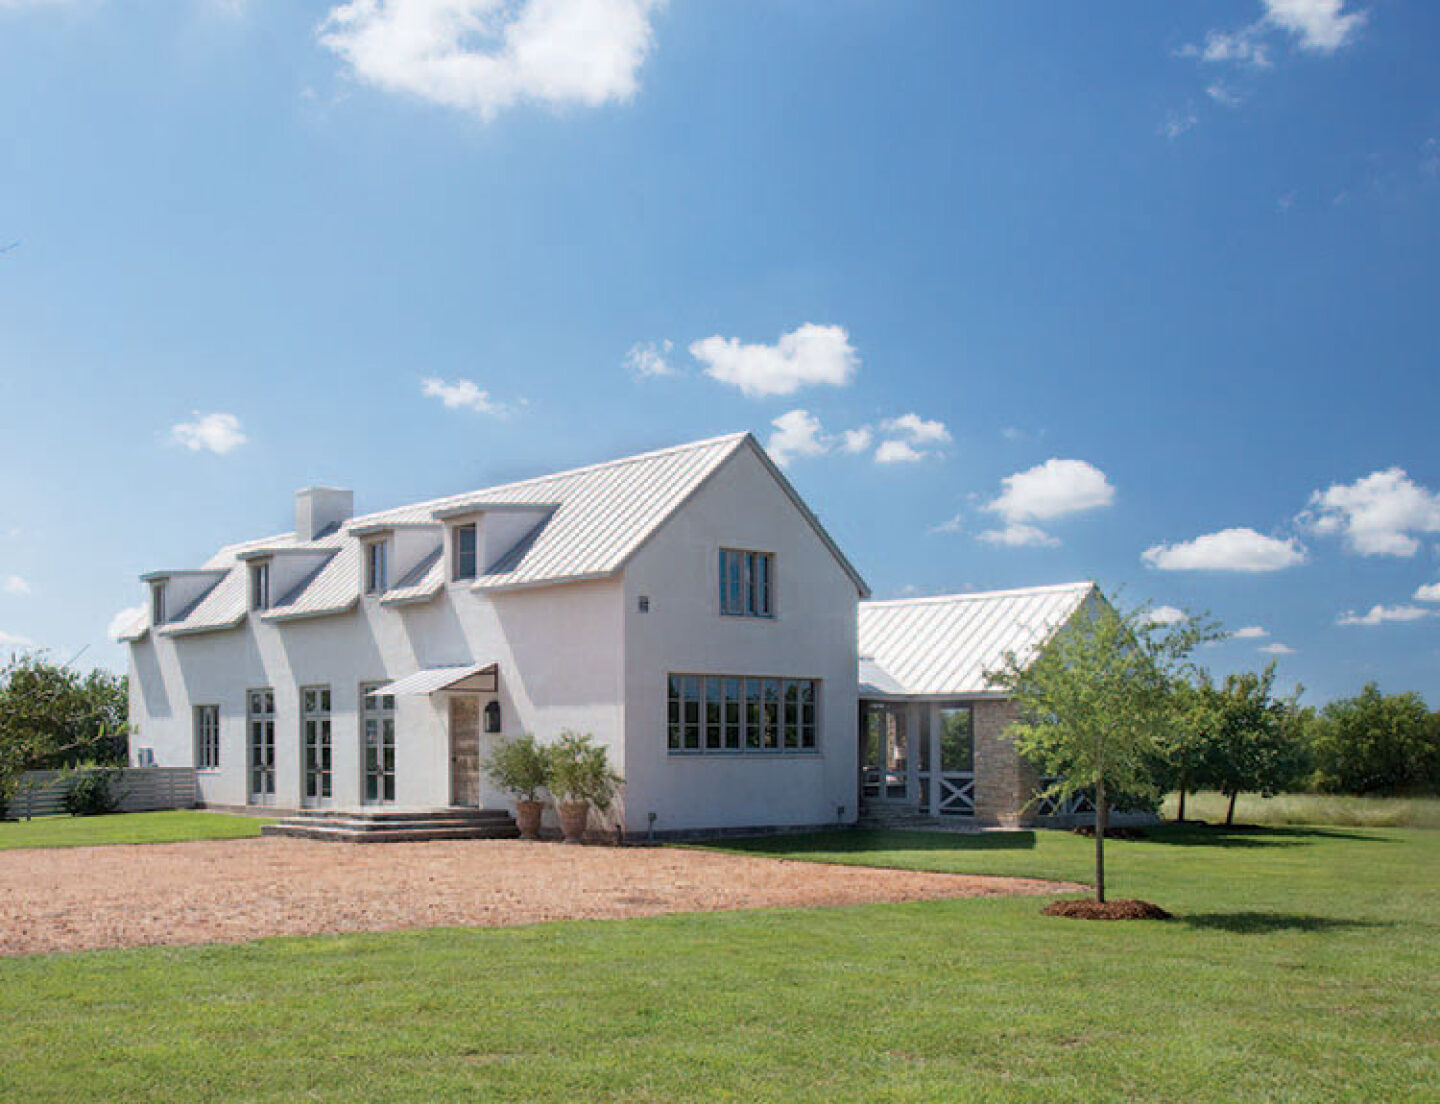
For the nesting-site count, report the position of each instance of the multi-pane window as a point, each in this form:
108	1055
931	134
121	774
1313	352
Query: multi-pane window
315	734
376	567
464	552
378	726
747	583
728	713
207	737
260	723
157	603
260	586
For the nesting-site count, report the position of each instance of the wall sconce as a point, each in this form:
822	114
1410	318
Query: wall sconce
492	717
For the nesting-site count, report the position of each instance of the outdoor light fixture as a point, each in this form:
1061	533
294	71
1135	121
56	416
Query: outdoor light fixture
492	717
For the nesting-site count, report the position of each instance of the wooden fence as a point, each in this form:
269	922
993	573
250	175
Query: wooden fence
42	793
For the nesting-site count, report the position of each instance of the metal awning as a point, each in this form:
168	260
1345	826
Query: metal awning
475	678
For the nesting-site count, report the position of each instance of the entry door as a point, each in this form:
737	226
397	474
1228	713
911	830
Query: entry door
465	750
884	754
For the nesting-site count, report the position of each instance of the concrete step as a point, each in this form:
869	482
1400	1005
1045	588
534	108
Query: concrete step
395	825
385	815
387	835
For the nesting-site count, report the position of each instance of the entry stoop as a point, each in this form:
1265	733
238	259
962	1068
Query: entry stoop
396	826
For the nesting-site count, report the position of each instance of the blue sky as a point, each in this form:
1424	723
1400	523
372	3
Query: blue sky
1021	293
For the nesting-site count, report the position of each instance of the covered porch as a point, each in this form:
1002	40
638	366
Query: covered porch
918	756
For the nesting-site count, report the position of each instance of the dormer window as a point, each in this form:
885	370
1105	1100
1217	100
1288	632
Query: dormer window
464	551
157	603
260	585
377	567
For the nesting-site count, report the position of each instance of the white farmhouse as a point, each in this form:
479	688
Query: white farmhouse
684	606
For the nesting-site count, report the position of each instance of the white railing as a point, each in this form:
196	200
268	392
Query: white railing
1053	806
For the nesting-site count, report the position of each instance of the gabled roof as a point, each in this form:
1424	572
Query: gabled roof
594	520
943	646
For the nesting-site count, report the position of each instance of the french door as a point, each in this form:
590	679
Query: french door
260	724
378	727
884	754
318	781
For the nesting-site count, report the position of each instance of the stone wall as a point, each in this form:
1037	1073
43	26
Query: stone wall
1004	783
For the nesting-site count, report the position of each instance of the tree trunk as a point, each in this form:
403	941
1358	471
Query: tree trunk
1230	812
1180	813
1100	819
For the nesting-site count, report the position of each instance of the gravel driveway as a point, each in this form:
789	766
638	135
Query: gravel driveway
70	899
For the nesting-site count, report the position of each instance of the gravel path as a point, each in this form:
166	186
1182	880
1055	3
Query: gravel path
82	898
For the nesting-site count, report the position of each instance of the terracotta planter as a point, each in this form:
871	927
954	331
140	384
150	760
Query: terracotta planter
574	818
527	816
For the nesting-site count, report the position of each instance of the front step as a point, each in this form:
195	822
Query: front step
396	826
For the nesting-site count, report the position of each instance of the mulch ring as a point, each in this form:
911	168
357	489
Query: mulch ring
1090	909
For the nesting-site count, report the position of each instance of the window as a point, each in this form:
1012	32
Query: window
957	740
315	736
260	723
727	714
157	603
378	716
260	586
376	567
747	583
207	737
464	551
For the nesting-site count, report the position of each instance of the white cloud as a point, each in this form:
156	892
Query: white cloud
950	525
1177	123
1167	615
463	394
797	433
1053	489
485	56
1430	592
811	355
647	359
1322	26
1376	515
898	452
127	621
1379	615
1227	550
217	433
1016	535
856	440
14	584
917	430
1277	649
12	641
1249	632
1224	95
1245	46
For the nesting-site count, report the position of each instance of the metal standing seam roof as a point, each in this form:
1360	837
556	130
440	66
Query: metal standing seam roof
431	680
599	516
946	645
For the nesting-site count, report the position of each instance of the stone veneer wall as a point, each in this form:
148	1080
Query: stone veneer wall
1004	783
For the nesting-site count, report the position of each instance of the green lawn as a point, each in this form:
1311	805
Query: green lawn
1303	966
169	826
1341	810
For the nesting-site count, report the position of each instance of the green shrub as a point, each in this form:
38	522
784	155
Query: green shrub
580	772
520	767
94	792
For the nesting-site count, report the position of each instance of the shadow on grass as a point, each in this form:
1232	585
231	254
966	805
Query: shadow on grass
1252	835
1263	923
862	840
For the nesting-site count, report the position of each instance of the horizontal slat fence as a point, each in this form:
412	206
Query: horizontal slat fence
42	793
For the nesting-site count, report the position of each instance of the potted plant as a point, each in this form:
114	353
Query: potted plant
580	777
521	768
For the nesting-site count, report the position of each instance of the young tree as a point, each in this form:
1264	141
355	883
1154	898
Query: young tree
1251	738
1096	700
1377	743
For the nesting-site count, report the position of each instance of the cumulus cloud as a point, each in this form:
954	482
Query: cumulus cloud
647	359
1316	26
1177	123
1249	632
127	621
950	525
1379	615
857	440
1017	535
1227	550
1430	592
1167	615
1377	515
897	452
14	642
910	438
218	433
797	433
1277	649
463	394
1042	493
809	356
14	584
484	56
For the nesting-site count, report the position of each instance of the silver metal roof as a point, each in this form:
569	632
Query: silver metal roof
946	645
434	679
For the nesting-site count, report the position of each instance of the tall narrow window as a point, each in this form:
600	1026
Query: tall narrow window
260	723
315	731
464	552
260	586
747	583
207	737
376	568
157	603
378	714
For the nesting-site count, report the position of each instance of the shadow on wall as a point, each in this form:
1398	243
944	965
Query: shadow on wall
151	682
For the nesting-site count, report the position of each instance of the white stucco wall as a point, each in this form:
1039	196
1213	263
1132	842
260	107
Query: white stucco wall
813	635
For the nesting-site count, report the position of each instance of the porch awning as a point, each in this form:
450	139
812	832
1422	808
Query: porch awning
476	678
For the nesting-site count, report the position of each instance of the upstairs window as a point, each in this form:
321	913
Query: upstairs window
260	586
157	603
377	579
747	583
464	552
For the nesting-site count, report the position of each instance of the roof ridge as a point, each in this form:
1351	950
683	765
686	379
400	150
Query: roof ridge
969	595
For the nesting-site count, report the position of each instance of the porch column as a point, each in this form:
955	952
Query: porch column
935	791
912	751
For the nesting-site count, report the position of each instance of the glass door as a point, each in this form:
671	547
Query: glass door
884	754
260	723
378	728
315	739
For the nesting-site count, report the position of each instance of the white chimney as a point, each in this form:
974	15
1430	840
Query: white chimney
320	508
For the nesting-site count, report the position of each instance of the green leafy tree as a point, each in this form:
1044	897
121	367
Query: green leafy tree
1251	740
1094	704
52	717
1377	743
1182	751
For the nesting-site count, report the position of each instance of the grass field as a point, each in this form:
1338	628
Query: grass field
1303	966
1349	812
169	826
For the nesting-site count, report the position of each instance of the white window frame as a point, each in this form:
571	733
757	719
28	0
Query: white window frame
260	721
317	708
377	710
207	737
260	585
377	566
457	575
747	583
157	603
741	715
